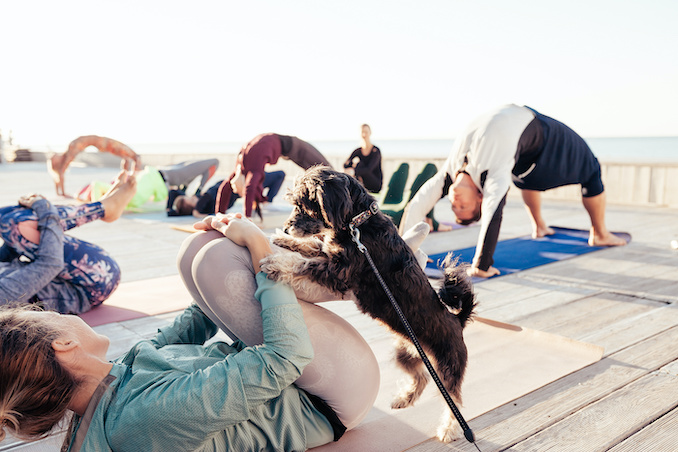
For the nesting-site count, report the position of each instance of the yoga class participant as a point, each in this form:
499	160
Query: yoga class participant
519	144
41	265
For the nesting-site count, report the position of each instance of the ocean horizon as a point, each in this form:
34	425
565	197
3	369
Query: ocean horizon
613	149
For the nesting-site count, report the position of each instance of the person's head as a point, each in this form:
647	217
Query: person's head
465	199
365	132
184	205
35	389
238	182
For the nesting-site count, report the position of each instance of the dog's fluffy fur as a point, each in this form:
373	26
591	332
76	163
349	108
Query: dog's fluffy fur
325	202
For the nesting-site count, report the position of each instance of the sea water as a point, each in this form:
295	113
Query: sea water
608	150
612	150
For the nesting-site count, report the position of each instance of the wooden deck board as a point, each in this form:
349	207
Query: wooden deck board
610	420
525	417
660	435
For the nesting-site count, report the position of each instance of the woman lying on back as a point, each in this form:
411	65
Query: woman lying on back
173	392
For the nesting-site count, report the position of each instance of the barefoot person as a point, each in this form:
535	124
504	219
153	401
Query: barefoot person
58	163
263	150
519	144
173	392
42	266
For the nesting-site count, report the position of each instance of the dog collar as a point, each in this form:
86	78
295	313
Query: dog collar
361	218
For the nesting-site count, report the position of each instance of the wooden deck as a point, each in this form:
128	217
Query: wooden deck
623	299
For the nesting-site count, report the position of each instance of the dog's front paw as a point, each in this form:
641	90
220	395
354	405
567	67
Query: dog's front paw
282	239
279	266
306	246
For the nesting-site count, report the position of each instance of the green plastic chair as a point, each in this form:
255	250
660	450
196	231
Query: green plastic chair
396	186
396	214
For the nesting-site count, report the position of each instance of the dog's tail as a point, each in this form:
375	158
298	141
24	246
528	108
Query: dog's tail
457	290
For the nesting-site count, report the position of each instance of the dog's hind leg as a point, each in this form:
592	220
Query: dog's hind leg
449	429
408	359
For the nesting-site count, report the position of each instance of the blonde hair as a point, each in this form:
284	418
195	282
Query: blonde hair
35	389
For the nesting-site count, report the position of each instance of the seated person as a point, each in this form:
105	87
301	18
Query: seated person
279	386
42	266
364	163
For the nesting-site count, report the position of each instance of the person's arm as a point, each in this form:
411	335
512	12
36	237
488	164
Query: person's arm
494	199
224	393
423	201
487	243
223	197
190	327
21	284
254	187
349	162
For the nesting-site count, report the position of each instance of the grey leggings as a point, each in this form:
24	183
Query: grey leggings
182	174
220	276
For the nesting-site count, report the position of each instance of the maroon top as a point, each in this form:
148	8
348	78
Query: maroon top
253	157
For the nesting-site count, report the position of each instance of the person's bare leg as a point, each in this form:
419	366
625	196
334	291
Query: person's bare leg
56	167
118	196
532	200
599	235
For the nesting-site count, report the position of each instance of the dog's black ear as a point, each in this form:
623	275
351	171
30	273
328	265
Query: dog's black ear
334	200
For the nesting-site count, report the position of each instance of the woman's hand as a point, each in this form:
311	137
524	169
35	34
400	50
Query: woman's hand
29	200
240	231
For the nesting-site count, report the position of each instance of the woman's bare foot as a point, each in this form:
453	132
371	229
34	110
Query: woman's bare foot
607	239
118	196
542	231
55	167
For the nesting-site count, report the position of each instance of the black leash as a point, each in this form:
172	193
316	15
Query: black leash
355	234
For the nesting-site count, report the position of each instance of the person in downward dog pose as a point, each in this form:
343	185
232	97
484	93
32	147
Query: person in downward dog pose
519	144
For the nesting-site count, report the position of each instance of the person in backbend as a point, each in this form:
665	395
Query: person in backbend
57	164
262	150
519	144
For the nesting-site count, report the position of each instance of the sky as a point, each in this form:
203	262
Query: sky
148	71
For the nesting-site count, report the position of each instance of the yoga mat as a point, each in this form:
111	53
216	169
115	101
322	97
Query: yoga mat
273	218
137	299
521	253
184	228
505	362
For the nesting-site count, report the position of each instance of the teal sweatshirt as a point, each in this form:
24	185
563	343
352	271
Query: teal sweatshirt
173	393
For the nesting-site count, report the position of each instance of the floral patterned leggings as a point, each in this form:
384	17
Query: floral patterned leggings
85	264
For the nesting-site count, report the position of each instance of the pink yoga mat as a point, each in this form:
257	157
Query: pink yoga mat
139	299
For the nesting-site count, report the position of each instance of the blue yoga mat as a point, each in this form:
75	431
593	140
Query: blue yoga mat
521	253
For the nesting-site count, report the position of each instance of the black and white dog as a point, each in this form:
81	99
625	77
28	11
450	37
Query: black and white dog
325	202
